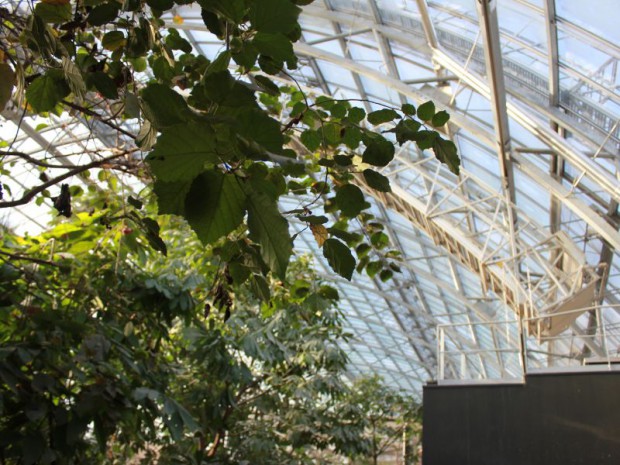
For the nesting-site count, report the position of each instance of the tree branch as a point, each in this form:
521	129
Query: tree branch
96	115
27	197
30	259
32	160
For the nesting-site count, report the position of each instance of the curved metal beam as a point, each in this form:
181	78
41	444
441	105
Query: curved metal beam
556	189
525	118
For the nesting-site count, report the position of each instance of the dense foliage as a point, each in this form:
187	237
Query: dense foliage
224	141
105	359
124	336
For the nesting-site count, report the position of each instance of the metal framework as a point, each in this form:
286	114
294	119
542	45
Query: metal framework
524	240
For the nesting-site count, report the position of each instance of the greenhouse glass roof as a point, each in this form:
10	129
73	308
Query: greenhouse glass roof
528	229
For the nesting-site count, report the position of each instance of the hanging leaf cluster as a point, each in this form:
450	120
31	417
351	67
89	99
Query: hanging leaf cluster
224	140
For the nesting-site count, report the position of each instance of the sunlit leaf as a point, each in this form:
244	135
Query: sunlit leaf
320	233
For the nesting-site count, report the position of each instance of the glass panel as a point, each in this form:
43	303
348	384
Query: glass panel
600	18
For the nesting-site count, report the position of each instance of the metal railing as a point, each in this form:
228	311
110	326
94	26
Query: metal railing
462	354
505	351
592	340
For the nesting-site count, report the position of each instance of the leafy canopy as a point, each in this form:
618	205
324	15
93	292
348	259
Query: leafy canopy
110	352
220	135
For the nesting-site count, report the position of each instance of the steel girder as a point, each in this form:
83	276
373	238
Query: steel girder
556	189
524	117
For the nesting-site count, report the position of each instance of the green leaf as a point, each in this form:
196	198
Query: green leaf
356	115
220	66
267	85
350	238
425	139
343	160
379	239
215	205
171	197
220	87
408	109
260	287
151	230
33	446
213	23
331	133
379	152
135	202
274	16
269	229
386	275
325	102
7	82
377	181
102	14
233	10
113	40
182	150
164	107
350	200
54	13
311	139
238	272
373	268
46	91
338	111
104	84
352	137
426	111
406	130
132	105
176	42
162	69
329	292
73	77
446	152
161	5
339	257
277	46
246	56
261	129
188	420
382	116
440	118
363	249
312	219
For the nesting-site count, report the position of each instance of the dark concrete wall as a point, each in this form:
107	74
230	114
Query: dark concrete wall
553	419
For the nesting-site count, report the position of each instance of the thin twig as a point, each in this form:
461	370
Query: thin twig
94	114
38	261
27	197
